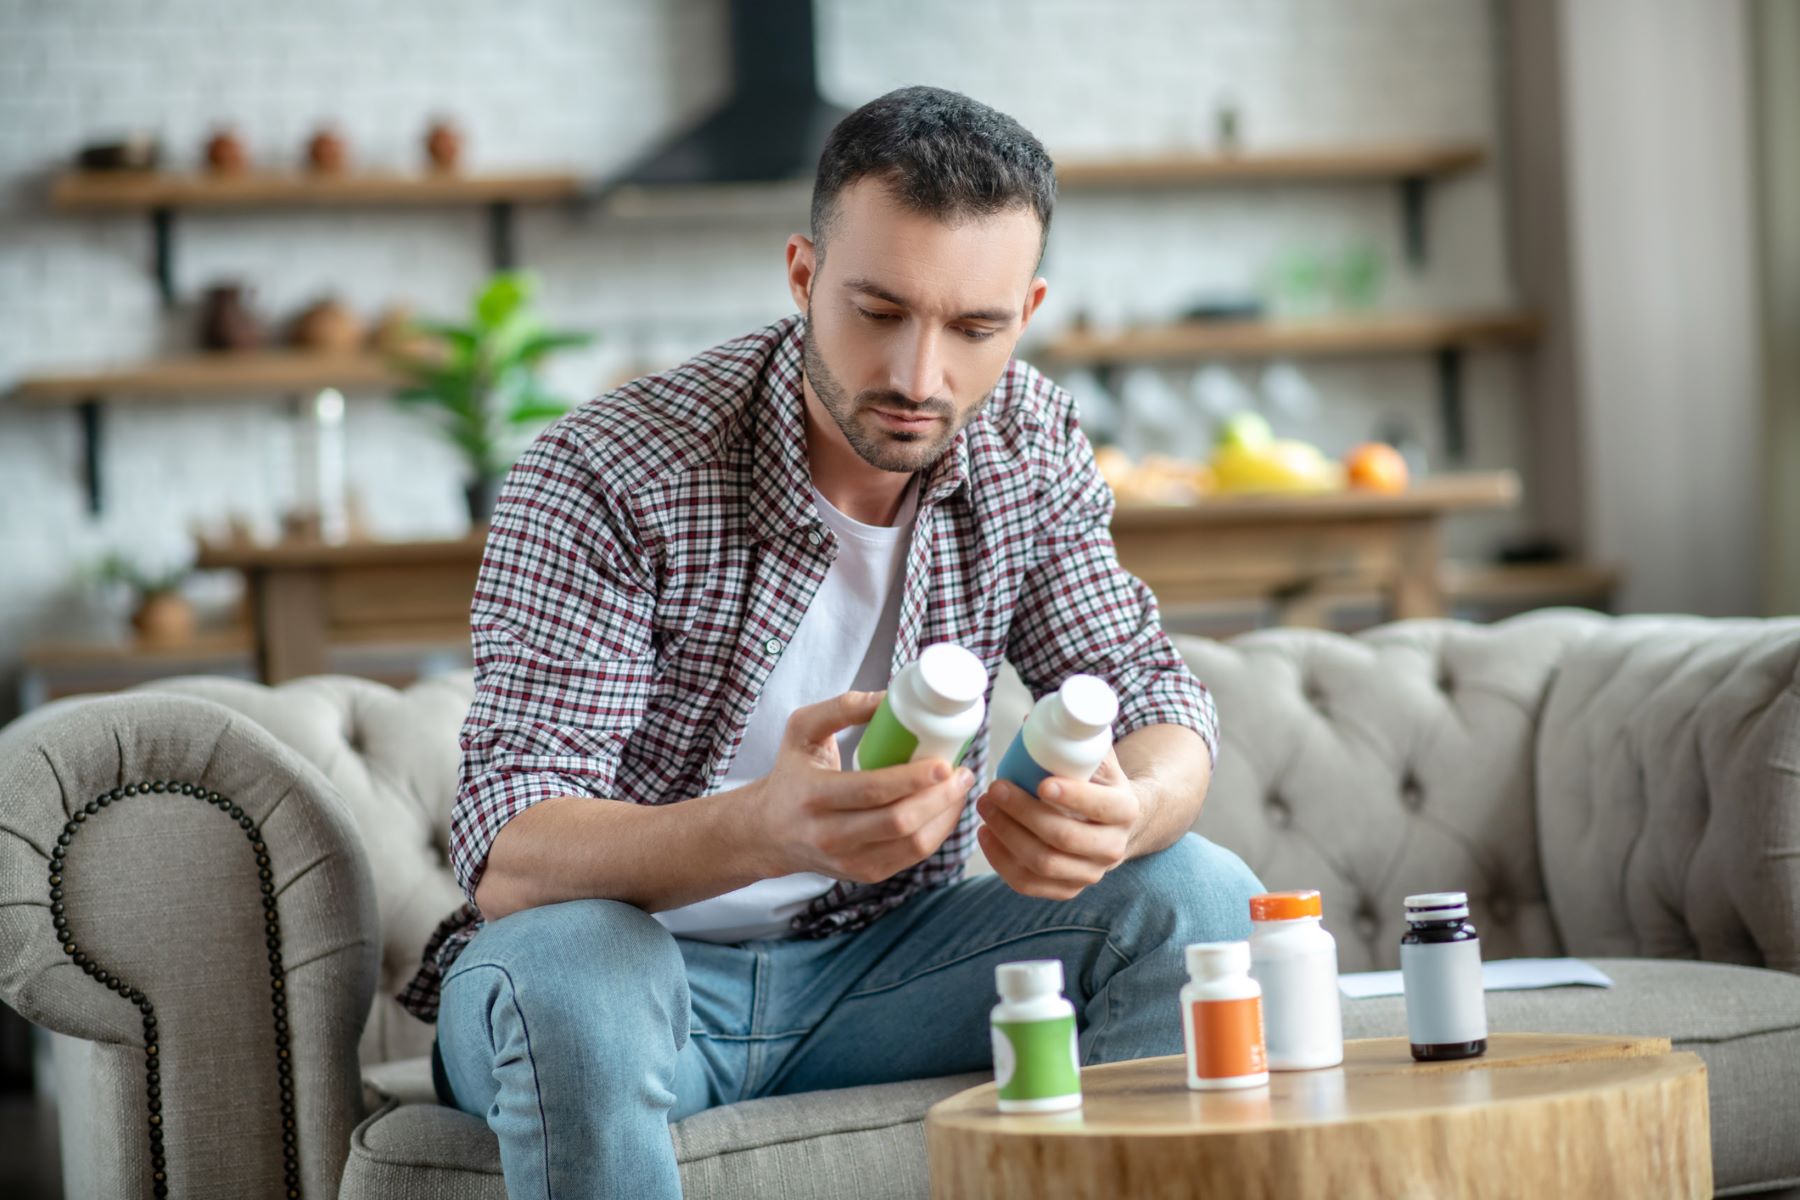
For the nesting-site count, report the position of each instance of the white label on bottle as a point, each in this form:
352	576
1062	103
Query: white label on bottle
1444	1000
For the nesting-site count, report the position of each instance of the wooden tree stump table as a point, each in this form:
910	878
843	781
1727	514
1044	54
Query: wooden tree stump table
1538	1115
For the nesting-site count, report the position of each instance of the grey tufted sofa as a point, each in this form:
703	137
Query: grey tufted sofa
1626	789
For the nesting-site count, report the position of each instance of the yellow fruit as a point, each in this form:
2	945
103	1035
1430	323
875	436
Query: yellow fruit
1285	466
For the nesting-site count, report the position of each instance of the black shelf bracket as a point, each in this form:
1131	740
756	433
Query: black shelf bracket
162	238
1450	402
502	249
89	413
1412	218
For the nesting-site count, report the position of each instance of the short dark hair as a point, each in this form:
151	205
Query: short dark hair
941	153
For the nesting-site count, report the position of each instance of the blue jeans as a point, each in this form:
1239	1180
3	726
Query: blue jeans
578	1031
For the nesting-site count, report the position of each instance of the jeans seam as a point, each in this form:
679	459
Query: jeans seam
1019	937
1111	1011
530	1057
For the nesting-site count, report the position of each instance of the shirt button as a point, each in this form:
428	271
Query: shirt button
815	537
773	645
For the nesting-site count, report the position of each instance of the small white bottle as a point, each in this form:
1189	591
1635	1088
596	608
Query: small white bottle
933	709
1037	1053
1066	734
1294	957
1222	1018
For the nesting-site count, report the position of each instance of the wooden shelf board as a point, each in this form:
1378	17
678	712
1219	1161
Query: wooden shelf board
1528	582
1399	161
297	552
262	371
143	190
1393	333
1431	495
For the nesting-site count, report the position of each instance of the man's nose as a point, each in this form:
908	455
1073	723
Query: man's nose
919	373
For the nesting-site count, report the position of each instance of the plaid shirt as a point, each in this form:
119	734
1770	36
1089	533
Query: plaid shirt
652	553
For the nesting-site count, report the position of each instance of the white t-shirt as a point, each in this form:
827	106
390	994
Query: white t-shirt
844	643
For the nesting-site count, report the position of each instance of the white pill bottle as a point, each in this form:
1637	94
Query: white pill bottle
1222	1019
933	708
1294	957
1066	734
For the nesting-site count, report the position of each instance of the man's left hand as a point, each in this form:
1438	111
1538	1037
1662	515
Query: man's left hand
1042	852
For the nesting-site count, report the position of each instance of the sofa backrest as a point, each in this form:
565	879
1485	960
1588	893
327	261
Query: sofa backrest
1415	757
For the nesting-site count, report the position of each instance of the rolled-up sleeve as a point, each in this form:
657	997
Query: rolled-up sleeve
1081	612
561	625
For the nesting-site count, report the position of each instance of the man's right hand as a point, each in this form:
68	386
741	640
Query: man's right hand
864	826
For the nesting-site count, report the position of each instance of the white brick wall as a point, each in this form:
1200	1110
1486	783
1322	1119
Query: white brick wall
588	84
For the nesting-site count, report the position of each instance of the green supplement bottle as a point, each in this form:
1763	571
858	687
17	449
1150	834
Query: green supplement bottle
1037	1058
933	708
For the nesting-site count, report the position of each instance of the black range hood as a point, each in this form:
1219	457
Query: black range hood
772	126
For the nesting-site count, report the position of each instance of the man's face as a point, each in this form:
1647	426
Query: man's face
910	321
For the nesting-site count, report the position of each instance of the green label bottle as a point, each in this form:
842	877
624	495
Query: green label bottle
1037	1055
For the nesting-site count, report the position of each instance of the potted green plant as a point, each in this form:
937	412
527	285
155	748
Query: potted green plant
161	613
481	378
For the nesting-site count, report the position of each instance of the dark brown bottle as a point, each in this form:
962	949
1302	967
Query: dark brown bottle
1440	963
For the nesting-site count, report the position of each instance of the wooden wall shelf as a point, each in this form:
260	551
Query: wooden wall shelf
1412	167
270	372
1393	333
161	194
1445	337
142	191
274	373
1305	165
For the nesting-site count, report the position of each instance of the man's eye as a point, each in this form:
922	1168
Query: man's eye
979	335
877	316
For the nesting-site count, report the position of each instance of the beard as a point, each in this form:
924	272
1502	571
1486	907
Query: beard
898	450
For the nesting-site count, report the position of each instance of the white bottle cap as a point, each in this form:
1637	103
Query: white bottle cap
1029	980
1437	906
1215	960
951	678
1089	703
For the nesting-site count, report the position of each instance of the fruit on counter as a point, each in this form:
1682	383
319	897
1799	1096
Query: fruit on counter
1283	465
1244	430
1158	479
1376	467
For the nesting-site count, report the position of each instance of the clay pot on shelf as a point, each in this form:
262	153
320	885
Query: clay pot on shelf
225	152
164	618
227	321
443	145
327	152
395	334
328	327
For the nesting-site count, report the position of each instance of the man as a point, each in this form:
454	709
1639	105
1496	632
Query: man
693	590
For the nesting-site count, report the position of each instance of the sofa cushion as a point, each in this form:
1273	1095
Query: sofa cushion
1743	1021
868	1142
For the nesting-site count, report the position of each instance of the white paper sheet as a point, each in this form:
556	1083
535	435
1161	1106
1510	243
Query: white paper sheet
1507	974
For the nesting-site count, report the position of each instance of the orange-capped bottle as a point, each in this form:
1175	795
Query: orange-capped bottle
1294	958
1221	1017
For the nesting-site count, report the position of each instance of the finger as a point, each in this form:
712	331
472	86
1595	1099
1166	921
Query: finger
1017	876
1044	861
1104	844
850	791
909	815
815	723
900	853
1108	804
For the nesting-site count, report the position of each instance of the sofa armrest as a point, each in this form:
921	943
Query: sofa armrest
1668	791
188	895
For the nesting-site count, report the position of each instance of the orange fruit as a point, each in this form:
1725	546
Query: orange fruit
1377	467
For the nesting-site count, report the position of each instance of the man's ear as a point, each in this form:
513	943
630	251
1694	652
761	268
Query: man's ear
802	266
1034	296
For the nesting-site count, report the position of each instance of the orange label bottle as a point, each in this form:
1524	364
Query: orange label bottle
1222	1018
